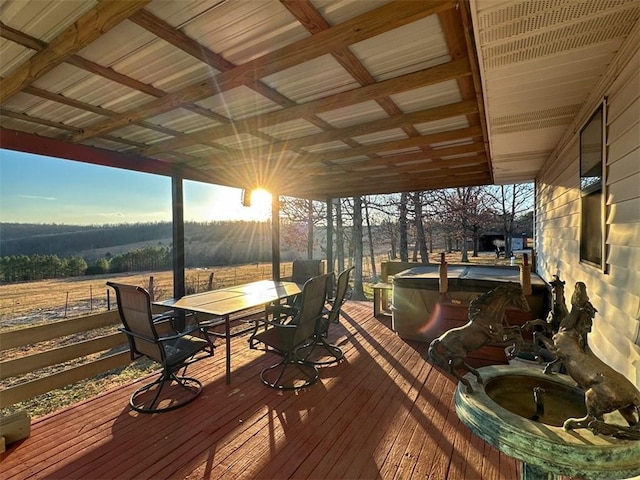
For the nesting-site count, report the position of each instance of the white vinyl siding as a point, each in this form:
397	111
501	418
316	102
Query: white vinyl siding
616	293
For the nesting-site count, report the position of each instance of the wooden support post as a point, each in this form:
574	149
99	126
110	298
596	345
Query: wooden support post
444	276
14	427
525	275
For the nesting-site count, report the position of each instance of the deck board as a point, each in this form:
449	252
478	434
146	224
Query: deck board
384	412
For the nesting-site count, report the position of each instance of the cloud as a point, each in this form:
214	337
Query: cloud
36	197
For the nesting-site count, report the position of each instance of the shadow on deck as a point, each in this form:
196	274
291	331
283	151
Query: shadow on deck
384	412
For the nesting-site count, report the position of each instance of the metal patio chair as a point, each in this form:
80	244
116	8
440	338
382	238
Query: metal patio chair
285	338
157	338
301	272
330	316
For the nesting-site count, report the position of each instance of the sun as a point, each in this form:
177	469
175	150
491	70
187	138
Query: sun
260	208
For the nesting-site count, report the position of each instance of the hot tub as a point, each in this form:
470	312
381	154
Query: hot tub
417	301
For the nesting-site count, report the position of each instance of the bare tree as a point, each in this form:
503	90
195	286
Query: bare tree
301	211
512	201
403	224
358	290
339	237
462	209
372	254
421	243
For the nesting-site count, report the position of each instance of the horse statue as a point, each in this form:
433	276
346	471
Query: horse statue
557	312
547	328
580	319
605	390
485	325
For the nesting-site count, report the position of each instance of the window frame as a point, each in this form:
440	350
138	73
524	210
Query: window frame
590	189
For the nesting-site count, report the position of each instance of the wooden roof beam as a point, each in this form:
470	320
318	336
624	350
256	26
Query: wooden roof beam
247	156
362	27
429	76
103	17
406	184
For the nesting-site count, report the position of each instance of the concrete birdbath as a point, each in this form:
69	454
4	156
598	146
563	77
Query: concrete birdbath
520	411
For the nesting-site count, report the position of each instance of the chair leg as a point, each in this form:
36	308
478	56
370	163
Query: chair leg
304	352
191	385
309	371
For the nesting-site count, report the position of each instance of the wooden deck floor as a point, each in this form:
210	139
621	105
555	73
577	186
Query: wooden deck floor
384	412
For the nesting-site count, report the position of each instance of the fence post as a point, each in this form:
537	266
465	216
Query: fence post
151	288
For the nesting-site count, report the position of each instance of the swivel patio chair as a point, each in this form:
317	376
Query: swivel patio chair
301	271
308	352
156	337
285	338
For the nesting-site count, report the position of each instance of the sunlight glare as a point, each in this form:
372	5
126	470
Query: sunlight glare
260	204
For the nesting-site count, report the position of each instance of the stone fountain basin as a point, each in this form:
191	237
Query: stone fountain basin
494	413
515	393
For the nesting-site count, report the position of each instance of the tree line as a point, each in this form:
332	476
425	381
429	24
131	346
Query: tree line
28	268
412	225
407	226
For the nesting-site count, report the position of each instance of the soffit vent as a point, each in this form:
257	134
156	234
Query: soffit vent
500	24
527	23
551	117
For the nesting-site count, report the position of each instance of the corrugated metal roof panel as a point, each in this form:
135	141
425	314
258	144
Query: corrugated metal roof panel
21	103
135	133
57	112
200	150
431	96
338	11
404	50
108	145
291	130
44	19
241	141
317	78
183	121
12	55
325	147
451	123
354	114
377	137
238	103
241	31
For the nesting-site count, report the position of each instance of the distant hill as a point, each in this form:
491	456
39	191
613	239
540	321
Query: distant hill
68	240
212	243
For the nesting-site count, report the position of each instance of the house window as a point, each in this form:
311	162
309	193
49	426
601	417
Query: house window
592	142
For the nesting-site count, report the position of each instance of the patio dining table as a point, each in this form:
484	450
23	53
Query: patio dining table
224	302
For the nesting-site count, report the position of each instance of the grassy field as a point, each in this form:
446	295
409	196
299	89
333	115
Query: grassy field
46	300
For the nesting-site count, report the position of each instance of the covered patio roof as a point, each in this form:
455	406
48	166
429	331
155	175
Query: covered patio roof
308	98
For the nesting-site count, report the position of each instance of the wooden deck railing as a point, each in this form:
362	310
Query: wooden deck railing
110	347
105	350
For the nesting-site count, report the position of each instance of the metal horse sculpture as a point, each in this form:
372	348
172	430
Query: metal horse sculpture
486	325
557	313
547	328
605	389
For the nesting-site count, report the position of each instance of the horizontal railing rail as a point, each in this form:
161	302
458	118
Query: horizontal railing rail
106	351
109	348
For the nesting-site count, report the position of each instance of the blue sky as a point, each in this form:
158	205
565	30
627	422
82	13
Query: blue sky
37	189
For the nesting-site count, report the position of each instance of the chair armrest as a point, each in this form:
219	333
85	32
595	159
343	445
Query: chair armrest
164	316
161	338
281	311
279	325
